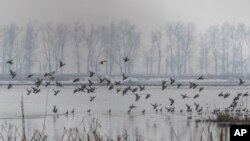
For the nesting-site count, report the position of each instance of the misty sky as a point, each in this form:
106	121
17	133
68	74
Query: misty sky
146	14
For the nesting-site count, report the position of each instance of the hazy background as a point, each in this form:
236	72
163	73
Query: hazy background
147	15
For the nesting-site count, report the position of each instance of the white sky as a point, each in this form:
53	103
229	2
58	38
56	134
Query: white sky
147	14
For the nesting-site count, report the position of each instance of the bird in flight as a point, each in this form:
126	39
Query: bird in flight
125	59
10	62
92	98
241	81
30	75
61	64
12	74
102	62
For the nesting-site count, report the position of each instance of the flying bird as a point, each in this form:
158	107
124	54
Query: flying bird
102	62
61	64
241	81
9	86
12	74
91	73
137	97
56	92
76	80
124	77
142	88
125	59
58	84
184	96
147	96
55	109
171	81
179	85
197	95
30	75
171	101
10	62
92	98
28	91
200	78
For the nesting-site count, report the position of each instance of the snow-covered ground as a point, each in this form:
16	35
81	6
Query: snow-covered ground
151	126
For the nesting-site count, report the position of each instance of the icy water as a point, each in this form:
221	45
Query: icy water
152	125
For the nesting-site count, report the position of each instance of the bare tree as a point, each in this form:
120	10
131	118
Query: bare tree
78	37
29	45
61	38
10	34
48	42
156	43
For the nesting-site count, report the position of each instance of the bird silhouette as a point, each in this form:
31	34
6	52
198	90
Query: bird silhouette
245	94
9	86
200	78
90	82
118	90
124	77
73	111
201	88
184	96
67	113
28	91
199	110
134	90
196	105
55	109
241	81
171	101
196	96
30	75
143	111
137	97
220	94
76	80
126	90
171	81
163	85
91	73
89	110
12	74
92	98
35	90
10	62
38	82
147	96
56	92
47	84
226	95
142	88
117	83
111	87
102	62
101	80
193	85
132	106
58	84
61	64
155	105
125	59
178	85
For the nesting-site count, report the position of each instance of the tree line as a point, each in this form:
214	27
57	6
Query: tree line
175	48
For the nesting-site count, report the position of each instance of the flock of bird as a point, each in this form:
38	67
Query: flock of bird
49	78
